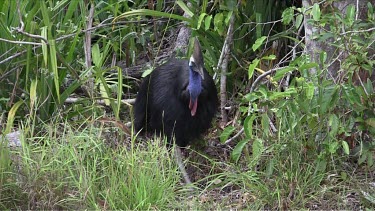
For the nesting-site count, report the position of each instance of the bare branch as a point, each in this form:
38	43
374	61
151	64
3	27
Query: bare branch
101	25
100	102
21	29
235	136
20	42
223	65
358	31
87	48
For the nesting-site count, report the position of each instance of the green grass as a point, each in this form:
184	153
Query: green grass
66	167
78	170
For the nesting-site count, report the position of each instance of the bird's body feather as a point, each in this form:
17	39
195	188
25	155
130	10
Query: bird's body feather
162	103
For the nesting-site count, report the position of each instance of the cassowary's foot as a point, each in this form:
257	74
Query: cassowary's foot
181	165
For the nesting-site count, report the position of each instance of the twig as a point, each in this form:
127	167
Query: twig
260	77
357	10
235	136
223	65
72	35
101	25
21	29
100	102
285	83
254	85
358	31
87	48
17	55
20	42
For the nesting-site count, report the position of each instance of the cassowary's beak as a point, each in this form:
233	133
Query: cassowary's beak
200	71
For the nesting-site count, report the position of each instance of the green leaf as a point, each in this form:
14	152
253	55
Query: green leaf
105	90
248	126
370	11
299	20
334	124
33	95
104	94
218	23
370	122
252	67
326	100
44	10
308	66
323	57
258	148
250	97
350	15
229	15
12	116
368	86
265	122
96	56
71	88
321	165
287	15
310	90
281	72
185	8
119	92
226	133
70	11
278	95
332	147
258	42
52	51
237	151
270	167
200	20
269	57
316	12
154	13
207	22
362	158
345	146
370	161
44	45
258	27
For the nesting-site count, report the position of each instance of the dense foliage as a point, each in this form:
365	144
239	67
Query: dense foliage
299	123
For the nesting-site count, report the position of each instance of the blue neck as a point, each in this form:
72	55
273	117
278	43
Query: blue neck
195	84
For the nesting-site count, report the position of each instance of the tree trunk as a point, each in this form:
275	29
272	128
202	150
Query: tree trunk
315	47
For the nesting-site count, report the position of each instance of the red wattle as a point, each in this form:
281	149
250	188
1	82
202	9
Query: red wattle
193	107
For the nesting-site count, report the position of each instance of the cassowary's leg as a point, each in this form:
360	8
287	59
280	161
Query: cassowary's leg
181	165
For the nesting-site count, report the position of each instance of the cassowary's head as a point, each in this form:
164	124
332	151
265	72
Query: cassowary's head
196	75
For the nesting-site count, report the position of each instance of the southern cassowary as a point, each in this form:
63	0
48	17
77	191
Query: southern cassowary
178	99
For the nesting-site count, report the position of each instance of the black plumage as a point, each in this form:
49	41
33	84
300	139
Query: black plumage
178	98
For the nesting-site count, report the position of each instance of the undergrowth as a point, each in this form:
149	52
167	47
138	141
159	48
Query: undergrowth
67	167
78	170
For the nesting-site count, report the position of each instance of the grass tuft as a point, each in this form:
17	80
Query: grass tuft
78	170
